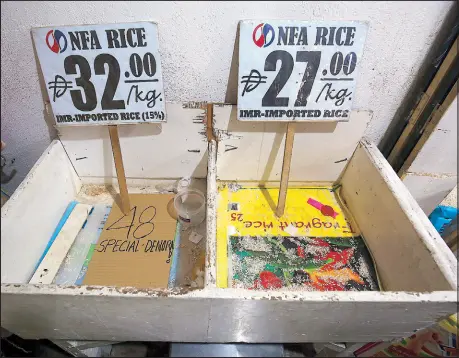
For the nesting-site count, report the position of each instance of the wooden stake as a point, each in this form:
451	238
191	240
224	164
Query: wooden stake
116	148
285	169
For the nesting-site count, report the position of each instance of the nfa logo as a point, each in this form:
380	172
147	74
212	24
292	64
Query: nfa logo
56	41
263	35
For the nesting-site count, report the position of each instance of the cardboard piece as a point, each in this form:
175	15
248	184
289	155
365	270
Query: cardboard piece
135	249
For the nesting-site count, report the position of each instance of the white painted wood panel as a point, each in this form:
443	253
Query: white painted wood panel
236	315
217	315
174	149
348	317
429	190
92	313
254	151
410	255
33	211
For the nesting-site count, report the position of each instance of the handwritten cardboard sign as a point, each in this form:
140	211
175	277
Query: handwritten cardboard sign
102	74
135	249
298	70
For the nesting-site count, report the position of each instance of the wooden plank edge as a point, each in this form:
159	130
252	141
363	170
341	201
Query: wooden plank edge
422	105
432	123
211	217
50	264
210	122
230	293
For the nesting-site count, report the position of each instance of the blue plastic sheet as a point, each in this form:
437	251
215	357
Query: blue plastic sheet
442	216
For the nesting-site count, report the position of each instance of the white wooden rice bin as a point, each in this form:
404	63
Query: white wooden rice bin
417	271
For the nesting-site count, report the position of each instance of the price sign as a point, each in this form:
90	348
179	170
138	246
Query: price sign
298	70
102	74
